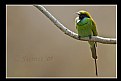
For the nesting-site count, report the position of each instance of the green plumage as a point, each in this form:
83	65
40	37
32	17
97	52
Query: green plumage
86	27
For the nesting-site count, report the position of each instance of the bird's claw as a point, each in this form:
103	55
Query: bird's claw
79	37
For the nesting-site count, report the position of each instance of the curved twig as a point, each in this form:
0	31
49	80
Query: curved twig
72	34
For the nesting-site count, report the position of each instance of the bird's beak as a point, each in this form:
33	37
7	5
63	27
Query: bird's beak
77	13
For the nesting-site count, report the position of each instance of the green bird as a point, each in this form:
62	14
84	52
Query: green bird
86	27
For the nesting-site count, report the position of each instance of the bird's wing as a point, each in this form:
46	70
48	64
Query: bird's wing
94	30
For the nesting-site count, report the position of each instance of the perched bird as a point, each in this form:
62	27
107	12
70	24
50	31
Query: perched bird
86	27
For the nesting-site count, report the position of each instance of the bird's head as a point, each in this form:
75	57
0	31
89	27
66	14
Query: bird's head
82	14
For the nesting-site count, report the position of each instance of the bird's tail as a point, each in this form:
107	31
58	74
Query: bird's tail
94	56
93	50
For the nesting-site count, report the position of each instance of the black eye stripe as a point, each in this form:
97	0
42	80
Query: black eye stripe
81	16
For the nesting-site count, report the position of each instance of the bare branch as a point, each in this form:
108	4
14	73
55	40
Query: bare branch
72	34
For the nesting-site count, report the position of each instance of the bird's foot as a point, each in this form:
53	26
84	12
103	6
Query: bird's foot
79	37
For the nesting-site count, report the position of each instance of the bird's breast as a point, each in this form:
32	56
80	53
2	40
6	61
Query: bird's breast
83	22
84	27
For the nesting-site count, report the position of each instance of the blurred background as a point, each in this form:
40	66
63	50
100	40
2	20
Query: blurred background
37	48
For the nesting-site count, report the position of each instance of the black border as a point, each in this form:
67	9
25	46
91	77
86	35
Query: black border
62	2
3	41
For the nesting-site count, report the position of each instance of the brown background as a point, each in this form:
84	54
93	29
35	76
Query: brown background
37	48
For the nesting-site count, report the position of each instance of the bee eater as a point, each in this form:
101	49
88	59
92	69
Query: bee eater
86	27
